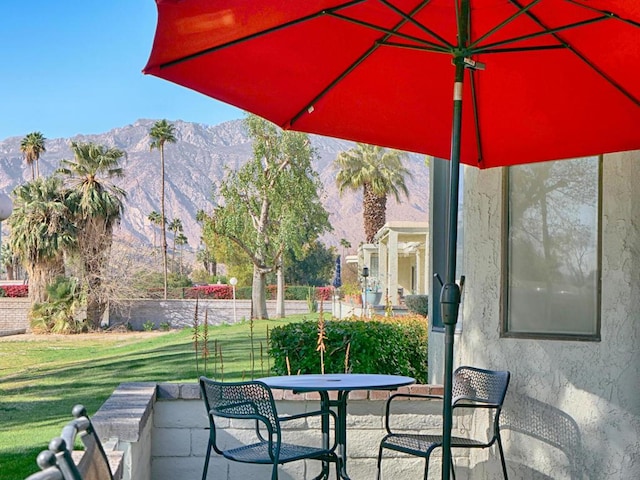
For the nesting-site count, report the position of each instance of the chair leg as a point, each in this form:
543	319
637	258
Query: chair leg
453	470
502	460
274	472
206	462
379	462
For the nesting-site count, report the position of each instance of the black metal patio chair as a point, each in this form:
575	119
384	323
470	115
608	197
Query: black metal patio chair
57	462
473	388
253	400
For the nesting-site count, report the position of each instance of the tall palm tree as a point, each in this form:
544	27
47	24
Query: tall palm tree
175	226
181	240
379	172
32	146
155	219
344	243
41	230
162	132
97	205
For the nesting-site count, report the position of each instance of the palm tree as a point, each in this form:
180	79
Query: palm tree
155	219
181	240
175	226
97	205
162	132
378	172
41	230
344	243
32	146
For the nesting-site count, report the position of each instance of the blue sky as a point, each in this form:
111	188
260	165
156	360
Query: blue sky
74	66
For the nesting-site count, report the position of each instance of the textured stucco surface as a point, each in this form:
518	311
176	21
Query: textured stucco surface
573	410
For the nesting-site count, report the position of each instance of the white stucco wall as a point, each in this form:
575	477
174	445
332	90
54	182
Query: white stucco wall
573	410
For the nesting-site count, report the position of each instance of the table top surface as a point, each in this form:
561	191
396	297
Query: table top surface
337	382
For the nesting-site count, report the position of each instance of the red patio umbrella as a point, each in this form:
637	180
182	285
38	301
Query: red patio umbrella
541	80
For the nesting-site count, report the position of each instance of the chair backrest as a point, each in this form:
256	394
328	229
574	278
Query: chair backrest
247	400
57	462
48	464
94	464
478	385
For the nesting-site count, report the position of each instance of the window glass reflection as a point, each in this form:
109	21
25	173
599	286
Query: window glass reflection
553	248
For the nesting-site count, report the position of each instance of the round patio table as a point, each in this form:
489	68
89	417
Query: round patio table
342	383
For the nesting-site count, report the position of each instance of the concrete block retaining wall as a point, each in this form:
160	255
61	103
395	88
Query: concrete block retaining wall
162	430
180	313
13	315
175	313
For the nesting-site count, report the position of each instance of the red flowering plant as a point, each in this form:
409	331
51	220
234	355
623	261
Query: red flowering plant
324	293
15	291
223	292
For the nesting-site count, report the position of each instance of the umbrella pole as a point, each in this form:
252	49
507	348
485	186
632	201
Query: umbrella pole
450	293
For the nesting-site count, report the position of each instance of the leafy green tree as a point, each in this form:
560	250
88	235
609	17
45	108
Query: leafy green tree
32	146
97	207
270	204
378	172
41	231
314	267
162	132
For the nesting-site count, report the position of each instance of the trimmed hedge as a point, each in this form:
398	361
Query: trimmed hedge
417	304
394	346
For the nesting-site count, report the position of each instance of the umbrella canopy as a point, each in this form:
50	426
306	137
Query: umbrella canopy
337	276
379	71
541	79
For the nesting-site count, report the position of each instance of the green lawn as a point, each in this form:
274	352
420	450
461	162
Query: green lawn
42	378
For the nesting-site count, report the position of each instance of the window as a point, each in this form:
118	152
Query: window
552	280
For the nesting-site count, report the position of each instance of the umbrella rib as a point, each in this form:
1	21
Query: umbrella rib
522	49
550	31
435	46
521	11
582	57
604	12
476	118
413	21
309	107
413	47
257	34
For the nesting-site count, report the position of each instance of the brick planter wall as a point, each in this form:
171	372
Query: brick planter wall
14	315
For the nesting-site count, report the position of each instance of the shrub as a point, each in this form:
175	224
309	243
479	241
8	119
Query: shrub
14	291
61	314
148	326
395	346
417	304
296	292
324	293
210	291
312	301
243	293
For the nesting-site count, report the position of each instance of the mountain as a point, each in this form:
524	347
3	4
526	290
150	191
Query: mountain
194	164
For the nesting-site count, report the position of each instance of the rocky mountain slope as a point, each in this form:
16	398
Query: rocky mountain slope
194	164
